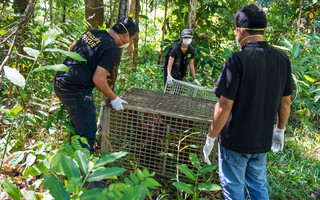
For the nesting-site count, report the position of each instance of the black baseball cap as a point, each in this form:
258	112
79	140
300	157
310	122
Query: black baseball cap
186	33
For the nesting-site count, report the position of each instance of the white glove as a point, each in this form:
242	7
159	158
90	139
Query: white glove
169	79
196	81
277	140
117	103
208	148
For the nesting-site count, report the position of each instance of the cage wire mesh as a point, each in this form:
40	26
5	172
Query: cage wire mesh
151	127
183	88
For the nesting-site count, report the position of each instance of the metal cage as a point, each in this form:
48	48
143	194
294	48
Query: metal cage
183	88
153	128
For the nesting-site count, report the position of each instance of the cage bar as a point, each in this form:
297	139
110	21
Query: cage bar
183	88
153	125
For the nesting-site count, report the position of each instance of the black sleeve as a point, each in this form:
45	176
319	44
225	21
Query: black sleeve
228	82
172	53
192	52
108	58
289	84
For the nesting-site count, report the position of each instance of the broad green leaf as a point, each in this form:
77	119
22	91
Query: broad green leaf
140	175
145	172
136	193
109	158
32	171
48	37
194	160
17	158
94	194
69	167
30	160
287	44
35	170
14	76
56	161
12	190
128	181
14	111
76	144
58	67
208	168
30	195
188	172
5	111
143	17
105	173
75	137
152	183
56	188
309	78
134	178
184	187
31	52
84	141
71	54
296	52
82	161
209	187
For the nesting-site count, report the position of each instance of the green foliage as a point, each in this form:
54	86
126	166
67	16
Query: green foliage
12	190
34	126
297	166
195	188
68	162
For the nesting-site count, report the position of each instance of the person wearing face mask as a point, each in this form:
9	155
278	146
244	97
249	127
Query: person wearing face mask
74	88
179	56
254	87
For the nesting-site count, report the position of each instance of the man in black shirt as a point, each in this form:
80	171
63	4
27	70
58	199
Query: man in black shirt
74	88
179	56
254	87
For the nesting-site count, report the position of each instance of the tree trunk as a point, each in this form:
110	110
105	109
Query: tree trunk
123	9
163	30
134	4
136	39
122	12
20	6
112	14
51	13
64	13
94	10
192	14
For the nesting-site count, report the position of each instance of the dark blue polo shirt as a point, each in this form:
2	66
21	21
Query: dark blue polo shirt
255	79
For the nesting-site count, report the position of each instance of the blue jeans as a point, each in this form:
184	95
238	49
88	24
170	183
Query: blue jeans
238	171
81	109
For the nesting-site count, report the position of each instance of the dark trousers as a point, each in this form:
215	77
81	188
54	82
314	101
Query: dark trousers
80	107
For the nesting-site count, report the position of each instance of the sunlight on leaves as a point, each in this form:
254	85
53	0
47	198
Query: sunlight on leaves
49	37
12	190
14	76
72	55
59	67
31	52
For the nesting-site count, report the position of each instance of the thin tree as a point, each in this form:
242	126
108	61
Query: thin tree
122	12
94	10
164	25
192	14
